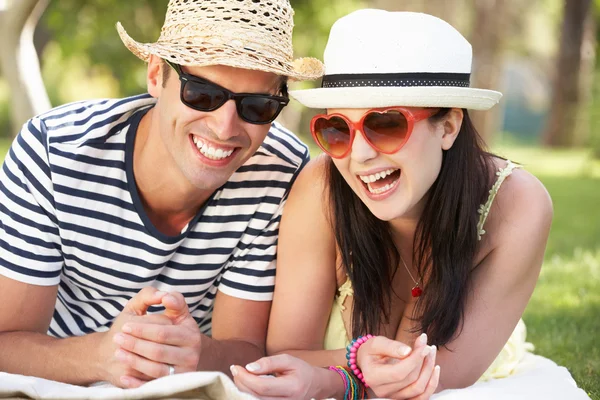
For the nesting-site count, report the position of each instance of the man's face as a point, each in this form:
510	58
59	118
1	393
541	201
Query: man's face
203	149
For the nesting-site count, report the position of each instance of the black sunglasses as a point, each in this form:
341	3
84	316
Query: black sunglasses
204	95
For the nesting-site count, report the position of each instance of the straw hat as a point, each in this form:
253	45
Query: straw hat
376	58
250	34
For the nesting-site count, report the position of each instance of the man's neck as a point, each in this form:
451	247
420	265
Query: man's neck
170	203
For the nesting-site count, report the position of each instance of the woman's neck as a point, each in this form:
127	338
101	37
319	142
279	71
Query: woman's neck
403	233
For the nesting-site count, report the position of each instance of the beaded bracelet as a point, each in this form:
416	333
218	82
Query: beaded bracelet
351	354
354	389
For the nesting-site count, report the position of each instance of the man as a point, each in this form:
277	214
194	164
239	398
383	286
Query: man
168	202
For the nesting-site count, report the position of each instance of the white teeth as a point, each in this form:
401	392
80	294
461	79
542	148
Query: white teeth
381	189
379	175
211	152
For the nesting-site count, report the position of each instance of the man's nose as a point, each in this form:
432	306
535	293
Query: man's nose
224	121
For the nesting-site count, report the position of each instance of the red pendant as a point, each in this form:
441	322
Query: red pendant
416	291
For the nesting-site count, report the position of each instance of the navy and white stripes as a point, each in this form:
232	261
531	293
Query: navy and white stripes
70	216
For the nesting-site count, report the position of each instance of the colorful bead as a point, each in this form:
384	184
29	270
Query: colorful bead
352	354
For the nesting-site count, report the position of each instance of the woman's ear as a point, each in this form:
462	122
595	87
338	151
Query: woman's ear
154	75
452	124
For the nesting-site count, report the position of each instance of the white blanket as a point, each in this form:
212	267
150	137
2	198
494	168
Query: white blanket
192	385
536	378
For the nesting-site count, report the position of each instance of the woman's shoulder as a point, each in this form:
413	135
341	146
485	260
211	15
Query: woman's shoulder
311	183
521	188
308	196
520	200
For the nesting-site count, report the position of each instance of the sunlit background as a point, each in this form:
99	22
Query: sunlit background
542	54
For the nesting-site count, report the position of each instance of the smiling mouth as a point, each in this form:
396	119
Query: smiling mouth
381	182
210	151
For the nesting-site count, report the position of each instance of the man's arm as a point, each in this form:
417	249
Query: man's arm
30	267
239	333
26	349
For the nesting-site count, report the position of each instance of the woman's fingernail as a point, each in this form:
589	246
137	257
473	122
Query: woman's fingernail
253	367
159	294
127	328
404	351
426	350
233	370
423	338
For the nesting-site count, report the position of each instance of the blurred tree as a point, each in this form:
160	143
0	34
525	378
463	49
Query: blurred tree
566	97
87	29
19	61
488	38
594	105
583	124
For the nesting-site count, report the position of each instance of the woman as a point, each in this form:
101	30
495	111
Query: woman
406	228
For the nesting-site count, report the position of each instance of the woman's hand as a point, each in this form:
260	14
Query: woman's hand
393	370
286	377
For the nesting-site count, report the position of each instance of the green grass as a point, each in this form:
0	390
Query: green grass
563	317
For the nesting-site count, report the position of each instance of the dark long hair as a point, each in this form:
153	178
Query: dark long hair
444	247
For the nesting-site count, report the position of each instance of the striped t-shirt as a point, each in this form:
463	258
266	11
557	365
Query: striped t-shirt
70	215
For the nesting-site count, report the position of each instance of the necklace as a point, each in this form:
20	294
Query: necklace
416	291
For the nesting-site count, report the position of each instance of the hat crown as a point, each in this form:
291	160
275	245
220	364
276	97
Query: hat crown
253	25
250	34
378	42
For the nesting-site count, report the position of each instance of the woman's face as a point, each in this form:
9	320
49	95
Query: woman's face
395	185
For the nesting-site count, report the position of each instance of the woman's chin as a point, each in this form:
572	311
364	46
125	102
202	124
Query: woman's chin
385	213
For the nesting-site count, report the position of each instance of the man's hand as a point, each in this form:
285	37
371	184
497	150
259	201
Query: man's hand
148	347
115	371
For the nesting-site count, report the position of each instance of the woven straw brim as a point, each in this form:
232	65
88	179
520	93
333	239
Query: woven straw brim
205	54
374	97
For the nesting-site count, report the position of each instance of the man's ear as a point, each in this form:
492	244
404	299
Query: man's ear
154	76
452	123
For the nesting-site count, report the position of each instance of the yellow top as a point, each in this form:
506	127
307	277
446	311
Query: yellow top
336	336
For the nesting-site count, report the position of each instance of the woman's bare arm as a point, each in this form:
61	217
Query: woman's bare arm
306	273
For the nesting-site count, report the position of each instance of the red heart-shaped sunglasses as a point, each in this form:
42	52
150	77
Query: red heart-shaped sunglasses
385	129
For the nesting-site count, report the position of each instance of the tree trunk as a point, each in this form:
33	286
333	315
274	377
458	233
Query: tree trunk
566	96
583	125
19	62
487	39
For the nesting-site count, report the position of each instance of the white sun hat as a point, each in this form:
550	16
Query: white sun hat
377	58
249	34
